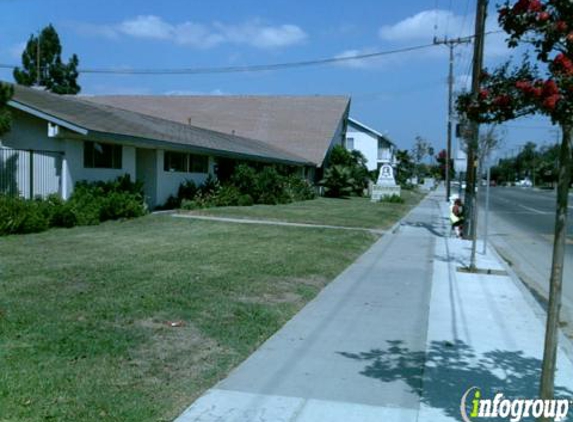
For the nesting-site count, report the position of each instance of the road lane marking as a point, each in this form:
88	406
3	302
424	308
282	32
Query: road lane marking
533	209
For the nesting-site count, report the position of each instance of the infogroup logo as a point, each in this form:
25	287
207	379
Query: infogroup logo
513	410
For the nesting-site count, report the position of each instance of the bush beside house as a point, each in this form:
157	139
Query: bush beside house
347	174
246	186
91	203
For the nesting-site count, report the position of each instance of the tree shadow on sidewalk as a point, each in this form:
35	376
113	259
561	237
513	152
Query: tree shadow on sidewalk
435	229
447	370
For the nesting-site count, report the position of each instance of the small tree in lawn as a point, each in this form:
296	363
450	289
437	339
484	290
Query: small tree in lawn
51	72
420	150
405	167
441	160
545	87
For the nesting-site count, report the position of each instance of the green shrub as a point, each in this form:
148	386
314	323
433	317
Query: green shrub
189	205
200	201
246	180
356	163
118	205
58	212
187	190
226	196
271	186
247	186
209	186
86	203
299	189
20	216
89	204
94	202
245	200
392	199
338	181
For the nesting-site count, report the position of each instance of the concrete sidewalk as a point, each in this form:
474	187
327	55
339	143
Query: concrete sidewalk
399	336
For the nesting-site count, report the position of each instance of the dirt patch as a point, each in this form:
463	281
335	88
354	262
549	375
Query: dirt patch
285	291
315	281
172	353
268	298
167	343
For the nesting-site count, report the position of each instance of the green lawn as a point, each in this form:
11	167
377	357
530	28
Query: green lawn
85	312
352	212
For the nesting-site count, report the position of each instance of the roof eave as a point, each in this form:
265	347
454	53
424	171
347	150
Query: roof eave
149	141
369	129
186	147
35	112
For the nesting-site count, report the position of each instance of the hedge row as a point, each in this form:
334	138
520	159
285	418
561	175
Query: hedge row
91	203
246	186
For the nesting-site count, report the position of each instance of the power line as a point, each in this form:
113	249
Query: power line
248	68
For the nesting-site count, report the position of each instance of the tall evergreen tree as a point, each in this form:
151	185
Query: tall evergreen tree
5	95
57	76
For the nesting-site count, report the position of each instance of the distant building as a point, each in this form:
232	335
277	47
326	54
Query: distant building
376	147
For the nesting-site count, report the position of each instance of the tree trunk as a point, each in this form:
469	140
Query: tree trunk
547	389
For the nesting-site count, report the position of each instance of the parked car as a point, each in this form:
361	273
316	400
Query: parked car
525	183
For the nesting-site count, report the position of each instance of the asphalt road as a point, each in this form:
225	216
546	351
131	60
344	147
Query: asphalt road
531	209
521	227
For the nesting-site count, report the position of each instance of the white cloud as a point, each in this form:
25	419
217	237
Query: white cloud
260	35
198	35
360	63
147	27
421	26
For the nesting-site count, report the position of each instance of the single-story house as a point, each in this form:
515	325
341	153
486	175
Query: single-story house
375	146
78	138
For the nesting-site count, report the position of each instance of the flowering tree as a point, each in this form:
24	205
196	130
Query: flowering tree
543	87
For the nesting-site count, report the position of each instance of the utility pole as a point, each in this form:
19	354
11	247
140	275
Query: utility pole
470	198
451	44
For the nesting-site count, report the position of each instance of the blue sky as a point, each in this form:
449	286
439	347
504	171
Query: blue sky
403	95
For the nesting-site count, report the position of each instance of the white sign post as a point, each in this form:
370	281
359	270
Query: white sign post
385	185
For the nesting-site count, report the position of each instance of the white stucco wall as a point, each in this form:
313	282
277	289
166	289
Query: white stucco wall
367	144
29	132
168	182
75	171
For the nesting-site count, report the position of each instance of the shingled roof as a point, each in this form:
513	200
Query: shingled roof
100	119
303	125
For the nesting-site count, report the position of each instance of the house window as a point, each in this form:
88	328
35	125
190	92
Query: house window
102	156
175	161
199	163
349	144
185	163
